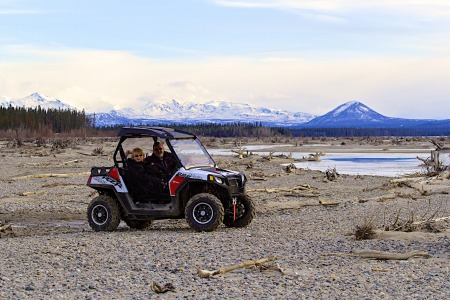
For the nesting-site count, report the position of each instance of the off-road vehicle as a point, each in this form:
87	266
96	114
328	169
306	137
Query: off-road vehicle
199	191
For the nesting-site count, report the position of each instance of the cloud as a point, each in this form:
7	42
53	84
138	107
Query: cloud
182	91
9	7
280	4
102	80
19	12
355	12
437	7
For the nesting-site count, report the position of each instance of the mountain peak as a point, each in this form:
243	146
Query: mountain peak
354	107
36	99
37	95
349	114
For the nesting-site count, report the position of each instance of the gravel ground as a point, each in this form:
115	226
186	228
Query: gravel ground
55	255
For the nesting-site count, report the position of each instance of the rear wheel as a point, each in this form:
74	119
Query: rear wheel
138	224
103	213
204	212
245	212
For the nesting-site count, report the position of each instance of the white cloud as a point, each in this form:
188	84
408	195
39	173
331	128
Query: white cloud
282	4
13	7
102	80
17	12
435	7
406	12
386	54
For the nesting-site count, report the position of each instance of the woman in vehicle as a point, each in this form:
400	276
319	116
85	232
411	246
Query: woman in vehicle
142	182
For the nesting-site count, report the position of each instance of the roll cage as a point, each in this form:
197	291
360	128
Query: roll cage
188	151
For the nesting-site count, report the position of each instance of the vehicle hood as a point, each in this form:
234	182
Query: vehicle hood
202	173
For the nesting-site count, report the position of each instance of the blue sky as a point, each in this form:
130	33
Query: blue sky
297	55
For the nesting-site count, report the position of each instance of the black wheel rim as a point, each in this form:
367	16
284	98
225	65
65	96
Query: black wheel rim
99	215
203	213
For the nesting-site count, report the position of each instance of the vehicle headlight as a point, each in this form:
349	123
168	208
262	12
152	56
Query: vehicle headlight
215	179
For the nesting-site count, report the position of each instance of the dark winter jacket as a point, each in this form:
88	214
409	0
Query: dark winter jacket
163	167
141	182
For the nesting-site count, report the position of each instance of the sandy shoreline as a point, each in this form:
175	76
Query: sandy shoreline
55	255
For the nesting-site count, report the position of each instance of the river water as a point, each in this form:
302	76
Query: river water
356	163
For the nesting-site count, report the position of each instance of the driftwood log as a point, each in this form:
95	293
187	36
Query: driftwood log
312	157
425	187
385	197
328	202
381	255
206	273
432	221
241	153
31	193
162	289
297	194
70	162
6	230
50	175
277	190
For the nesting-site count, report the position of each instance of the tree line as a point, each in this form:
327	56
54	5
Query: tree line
56	120
235	129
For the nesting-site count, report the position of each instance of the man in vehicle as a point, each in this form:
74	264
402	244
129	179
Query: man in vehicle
161	163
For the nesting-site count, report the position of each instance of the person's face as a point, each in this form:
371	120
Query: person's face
158	150
139	157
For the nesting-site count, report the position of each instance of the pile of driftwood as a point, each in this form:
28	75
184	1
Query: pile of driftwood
412	188
415	187
312	157
331	174
433	164
242	152
272	156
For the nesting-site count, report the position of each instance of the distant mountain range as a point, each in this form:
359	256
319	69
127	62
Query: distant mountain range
176	112
194	113
352	114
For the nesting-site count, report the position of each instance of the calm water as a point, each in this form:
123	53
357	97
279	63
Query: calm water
378	164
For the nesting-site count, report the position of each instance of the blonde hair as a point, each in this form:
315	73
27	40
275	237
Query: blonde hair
137	150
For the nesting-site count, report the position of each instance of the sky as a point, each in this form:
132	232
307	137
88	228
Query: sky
296	55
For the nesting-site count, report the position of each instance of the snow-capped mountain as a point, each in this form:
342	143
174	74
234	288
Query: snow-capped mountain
173	112
354	114
34	100
193	113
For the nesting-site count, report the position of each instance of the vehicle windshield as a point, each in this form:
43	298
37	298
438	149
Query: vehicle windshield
192	153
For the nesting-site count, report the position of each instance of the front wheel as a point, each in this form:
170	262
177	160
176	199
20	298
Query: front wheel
204	212
245	212
103	213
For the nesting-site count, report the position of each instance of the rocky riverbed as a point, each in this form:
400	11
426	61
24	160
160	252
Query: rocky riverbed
308	223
